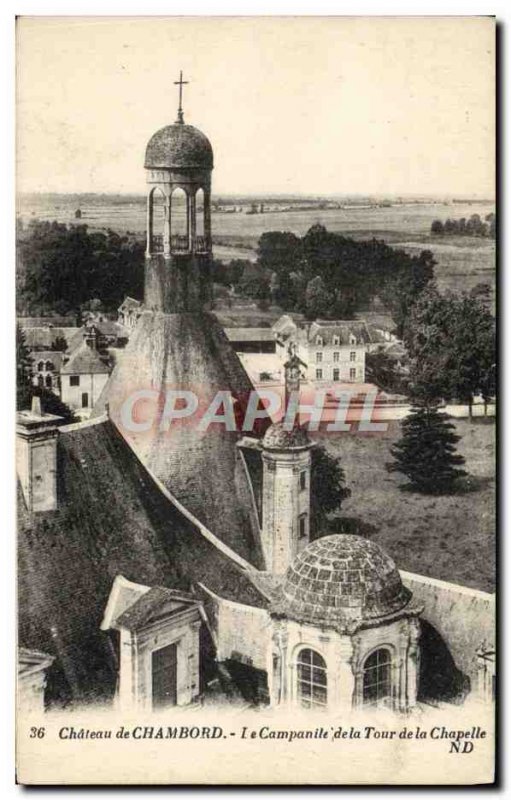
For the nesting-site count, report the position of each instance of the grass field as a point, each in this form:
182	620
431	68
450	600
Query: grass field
450	537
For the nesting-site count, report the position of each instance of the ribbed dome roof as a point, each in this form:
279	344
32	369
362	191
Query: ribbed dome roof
278	437
343	581
179	145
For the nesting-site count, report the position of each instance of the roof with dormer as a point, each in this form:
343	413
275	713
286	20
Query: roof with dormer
345	332
85	360
112	519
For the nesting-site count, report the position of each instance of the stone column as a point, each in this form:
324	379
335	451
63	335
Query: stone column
193	222
413	662
166	226
345	676
207	217
149	223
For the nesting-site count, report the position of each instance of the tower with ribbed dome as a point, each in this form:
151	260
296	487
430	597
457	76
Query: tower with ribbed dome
178	164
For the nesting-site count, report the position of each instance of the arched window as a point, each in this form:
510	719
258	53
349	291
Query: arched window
199	212
49	366
179	220
378	677
157	219
49	382
40	366
40	381
311	678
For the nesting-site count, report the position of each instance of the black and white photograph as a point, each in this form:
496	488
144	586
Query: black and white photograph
256	382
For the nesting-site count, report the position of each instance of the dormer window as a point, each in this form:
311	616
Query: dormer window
353	339
319	341
336	340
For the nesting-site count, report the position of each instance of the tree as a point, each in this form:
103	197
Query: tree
23	371
317	299
328	488
25	390
451	342
59	344
426	452
279	251
437	227
62	267
381	370
406	285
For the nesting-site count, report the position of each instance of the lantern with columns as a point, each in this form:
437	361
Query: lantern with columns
178	163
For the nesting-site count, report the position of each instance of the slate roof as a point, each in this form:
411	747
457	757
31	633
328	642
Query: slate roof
111	519
42	338
85	360
250	334
343	329
343	581
202	469
156	602
179	146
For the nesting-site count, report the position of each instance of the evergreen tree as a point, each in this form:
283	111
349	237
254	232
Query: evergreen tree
23	371
426	452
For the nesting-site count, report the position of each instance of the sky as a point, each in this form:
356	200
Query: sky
314	105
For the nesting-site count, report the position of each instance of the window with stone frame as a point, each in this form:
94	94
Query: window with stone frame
311	677
319	374
336	355
303	480
353	355
302	525
319	357
74	380
377	672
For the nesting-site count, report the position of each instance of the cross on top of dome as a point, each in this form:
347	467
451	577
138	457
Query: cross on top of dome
180	118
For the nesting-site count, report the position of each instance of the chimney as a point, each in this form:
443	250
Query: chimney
36	457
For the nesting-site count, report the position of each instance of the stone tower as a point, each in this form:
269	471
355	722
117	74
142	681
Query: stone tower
178	163
286	455
286	494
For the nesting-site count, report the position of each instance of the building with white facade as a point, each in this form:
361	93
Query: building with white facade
332	350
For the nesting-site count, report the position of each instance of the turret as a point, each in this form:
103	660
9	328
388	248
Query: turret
178	163
286	494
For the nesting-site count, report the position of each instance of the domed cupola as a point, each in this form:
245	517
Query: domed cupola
179	146
343	581
280	436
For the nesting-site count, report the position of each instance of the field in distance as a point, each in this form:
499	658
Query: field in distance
462	261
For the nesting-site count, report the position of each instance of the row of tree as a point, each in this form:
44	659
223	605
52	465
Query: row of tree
61	268
324	274
473	226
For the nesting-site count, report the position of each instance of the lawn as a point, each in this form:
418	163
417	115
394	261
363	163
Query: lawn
450	537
